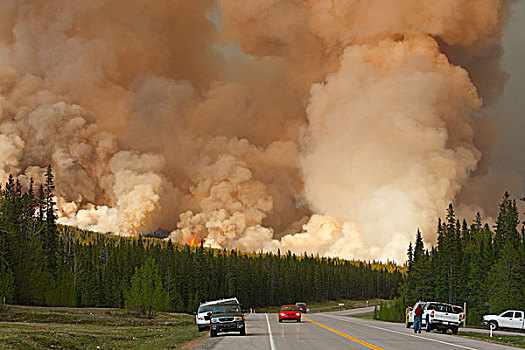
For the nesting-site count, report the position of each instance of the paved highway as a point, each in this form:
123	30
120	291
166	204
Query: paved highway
334	331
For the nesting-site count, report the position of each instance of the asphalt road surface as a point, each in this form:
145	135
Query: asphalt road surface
328	331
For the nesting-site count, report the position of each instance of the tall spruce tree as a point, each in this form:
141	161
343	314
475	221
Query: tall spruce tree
50	242
506	224
507	274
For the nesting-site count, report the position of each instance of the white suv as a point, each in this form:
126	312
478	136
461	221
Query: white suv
202	316
410	316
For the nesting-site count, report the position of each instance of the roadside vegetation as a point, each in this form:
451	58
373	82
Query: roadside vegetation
364	316
90	328
471	263
515	341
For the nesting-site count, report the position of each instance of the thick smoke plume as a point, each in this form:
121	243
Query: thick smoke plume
330	127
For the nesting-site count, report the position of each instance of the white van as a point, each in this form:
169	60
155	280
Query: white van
202	316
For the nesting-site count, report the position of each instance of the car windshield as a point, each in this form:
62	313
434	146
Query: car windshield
300	305
225	309
289	308
205	308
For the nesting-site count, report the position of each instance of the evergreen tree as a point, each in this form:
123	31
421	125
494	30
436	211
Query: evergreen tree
506	224
147	294
507	275
49	241
7	284
410	256
507	280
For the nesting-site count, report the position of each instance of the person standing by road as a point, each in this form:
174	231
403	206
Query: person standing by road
418	318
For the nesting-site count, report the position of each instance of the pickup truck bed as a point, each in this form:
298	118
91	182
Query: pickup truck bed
441	316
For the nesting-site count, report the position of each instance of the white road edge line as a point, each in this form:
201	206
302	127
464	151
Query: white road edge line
272	344
388	330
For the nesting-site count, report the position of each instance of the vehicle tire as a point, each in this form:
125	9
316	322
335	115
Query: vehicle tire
299	320
428	328
280	320
201	328
493	325
213	333
454	330
243	331
444	330
409	324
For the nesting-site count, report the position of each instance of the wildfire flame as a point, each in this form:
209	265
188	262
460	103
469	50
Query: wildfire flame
192	241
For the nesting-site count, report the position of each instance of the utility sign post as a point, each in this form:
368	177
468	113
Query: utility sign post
492	325
465	314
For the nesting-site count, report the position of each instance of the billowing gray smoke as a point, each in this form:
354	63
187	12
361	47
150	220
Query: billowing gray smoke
336	128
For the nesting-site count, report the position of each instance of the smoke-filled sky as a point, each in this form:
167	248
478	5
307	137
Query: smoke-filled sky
329	127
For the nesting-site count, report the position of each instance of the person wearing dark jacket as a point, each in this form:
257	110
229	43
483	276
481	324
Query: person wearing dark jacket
418	318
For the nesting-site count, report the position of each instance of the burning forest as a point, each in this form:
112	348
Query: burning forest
332	128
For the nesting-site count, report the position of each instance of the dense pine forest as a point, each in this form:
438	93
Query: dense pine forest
472	263
42	263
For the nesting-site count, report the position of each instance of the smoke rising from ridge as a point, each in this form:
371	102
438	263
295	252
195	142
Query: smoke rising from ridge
336	128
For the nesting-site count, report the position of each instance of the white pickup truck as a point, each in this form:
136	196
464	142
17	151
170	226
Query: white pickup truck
442	316
509	319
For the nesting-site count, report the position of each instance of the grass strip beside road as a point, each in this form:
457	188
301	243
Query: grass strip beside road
515	341
348	336
38	328
363	316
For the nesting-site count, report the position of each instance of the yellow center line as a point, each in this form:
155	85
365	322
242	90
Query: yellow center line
362	342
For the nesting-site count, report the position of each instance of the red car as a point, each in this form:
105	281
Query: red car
289	312
302	307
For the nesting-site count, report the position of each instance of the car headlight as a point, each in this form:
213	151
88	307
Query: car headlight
298	314
282	313
214	320
239	318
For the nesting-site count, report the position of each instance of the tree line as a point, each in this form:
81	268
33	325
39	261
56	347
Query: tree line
42	263
472	263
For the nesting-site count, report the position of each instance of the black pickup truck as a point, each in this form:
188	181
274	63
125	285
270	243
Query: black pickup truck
227	318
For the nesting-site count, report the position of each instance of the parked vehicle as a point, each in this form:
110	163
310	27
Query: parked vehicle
459	310
227	318
509	319
289	312
202	316
302	307
441	316
410	315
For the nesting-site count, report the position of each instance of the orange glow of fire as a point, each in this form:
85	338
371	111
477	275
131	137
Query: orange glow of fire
192	242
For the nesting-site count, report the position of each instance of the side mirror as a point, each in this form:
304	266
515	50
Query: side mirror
194	313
